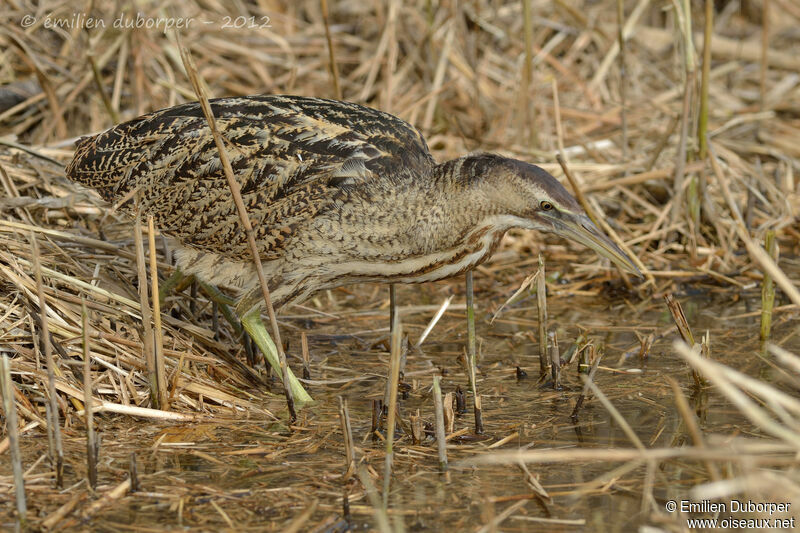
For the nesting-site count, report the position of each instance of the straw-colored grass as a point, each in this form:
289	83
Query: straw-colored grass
525	79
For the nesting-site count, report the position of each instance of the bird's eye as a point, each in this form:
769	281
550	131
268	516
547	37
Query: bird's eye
546	206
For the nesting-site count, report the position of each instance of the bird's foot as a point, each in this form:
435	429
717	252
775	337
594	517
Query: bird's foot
251	321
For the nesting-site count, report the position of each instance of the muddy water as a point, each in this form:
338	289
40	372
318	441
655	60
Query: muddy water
258	475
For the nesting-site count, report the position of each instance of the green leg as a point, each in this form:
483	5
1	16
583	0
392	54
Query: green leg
217	295
169	285
224	304
251	321
472	358
178	281
392	307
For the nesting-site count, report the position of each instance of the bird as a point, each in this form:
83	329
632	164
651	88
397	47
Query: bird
337	193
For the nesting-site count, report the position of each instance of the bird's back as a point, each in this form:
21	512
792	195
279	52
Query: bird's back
292	156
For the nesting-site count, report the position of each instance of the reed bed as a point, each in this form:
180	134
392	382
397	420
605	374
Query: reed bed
677	125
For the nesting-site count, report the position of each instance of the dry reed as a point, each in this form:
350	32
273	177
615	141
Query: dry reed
471	76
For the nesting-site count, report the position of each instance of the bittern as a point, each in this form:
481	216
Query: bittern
337	193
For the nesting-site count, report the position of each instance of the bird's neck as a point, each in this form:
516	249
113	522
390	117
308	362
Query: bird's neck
460	188
455	174
457	208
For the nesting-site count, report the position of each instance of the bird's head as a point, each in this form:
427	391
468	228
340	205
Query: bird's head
536	200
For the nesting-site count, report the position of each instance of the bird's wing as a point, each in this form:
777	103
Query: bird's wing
291	156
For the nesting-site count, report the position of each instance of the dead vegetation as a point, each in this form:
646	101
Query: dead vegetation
691	167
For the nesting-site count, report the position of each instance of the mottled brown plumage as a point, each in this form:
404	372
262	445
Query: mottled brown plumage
337	193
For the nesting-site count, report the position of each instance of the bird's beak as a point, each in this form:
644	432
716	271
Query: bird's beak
580	228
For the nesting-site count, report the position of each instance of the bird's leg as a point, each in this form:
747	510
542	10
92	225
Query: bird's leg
472	355
216	295
193	298
392	307
177	281
224	304
250	315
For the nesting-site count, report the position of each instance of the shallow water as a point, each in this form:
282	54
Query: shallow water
256	475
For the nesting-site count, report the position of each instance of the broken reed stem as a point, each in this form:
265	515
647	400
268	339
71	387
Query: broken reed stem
417	429
555	360
334	69
585	361
646	344
306	355
589	379
438	408
144	302
58	456
461	400
478	411
91	447
676	310
346	516
768	287
193	307
133	473
393	384
377	414
541	300
194	78
534	484
158	338
347	432
623	78
449	413
472	354
10	410
572	351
